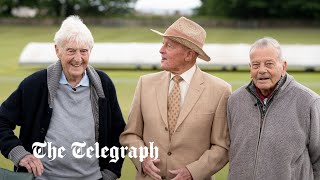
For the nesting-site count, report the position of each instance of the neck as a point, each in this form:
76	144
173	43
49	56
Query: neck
182	69
74	81
266	93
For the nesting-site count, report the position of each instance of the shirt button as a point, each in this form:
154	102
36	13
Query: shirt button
163	177
169	153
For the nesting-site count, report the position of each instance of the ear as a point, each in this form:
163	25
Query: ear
284	67
57	51
191	55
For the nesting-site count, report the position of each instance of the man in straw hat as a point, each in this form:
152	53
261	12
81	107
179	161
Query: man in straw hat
181	109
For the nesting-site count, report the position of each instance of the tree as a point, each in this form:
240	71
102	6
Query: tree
214	7
63	8
303	9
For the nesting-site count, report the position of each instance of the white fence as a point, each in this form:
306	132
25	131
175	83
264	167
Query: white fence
138	54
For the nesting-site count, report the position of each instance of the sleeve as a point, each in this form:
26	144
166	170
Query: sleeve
17	153
229	115
314	141
115	128
108	175
133	134
216	157
10	116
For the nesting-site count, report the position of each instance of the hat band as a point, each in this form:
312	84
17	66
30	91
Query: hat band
176	33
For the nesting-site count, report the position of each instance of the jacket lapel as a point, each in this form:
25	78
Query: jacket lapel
162	95
195	89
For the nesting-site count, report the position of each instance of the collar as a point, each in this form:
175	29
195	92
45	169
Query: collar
54	75
262	97
252	88
187	75
84	81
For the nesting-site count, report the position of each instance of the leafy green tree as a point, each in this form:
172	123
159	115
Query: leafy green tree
214	7
6	6
63	8
261	8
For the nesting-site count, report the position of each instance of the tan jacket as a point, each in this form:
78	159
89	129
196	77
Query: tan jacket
201	139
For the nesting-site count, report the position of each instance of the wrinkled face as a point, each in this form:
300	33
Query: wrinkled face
74	59
173	56
266	68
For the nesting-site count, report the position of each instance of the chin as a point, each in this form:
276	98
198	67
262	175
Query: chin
163	67
77	72
264	88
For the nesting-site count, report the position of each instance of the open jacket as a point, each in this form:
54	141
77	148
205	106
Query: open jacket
200	141
28	107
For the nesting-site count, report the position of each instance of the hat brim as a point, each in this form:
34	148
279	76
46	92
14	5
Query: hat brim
187	43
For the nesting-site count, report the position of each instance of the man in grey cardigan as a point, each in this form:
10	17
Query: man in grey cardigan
274	122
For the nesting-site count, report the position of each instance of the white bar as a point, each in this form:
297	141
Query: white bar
148	54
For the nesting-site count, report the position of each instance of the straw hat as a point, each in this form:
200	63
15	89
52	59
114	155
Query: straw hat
187	33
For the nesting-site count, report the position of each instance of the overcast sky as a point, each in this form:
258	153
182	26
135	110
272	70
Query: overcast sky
166	6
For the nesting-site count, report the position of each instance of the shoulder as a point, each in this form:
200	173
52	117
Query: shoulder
240	91
35	79
301	91
105	80
107	85
154	77
214	81
239	94
103	76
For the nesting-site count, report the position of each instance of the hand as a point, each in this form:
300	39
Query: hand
33	164
181	174
148	166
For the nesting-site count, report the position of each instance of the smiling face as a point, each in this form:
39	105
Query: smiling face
266	68
175	57
74	59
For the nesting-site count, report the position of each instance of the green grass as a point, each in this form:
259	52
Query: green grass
14	38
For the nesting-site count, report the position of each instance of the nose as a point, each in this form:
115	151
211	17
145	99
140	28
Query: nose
78	56
262	69
162	49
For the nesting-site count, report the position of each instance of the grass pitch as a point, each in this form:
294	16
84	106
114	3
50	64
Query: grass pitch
14	38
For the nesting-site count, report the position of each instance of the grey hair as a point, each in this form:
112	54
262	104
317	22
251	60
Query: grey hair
265	42
73	29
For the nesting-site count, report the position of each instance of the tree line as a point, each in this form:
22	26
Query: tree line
257	9
64	8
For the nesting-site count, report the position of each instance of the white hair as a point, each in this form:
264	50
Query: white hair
265	42
73	29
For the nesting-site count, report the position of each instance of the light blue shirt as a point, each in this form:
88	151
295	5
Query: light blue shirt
84	81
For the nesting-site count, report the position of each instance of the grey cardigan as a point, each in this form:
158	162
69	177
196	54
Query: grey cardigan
283	143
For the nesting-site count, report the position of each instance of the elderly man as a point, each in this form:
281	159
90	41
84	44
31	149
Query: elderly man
68	102
274	122
181	109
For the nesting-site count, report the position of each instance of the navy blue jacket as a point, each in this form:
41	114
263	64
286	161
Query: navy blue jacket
28	107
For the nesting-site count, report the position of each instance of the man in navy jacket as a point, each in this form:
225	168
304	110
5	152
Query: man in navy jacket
68	102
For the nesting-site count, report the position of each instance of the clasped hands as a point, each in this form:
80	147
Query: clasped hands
149	168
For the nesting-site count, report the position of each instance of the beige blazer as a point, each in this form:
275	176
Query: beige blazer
201	138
